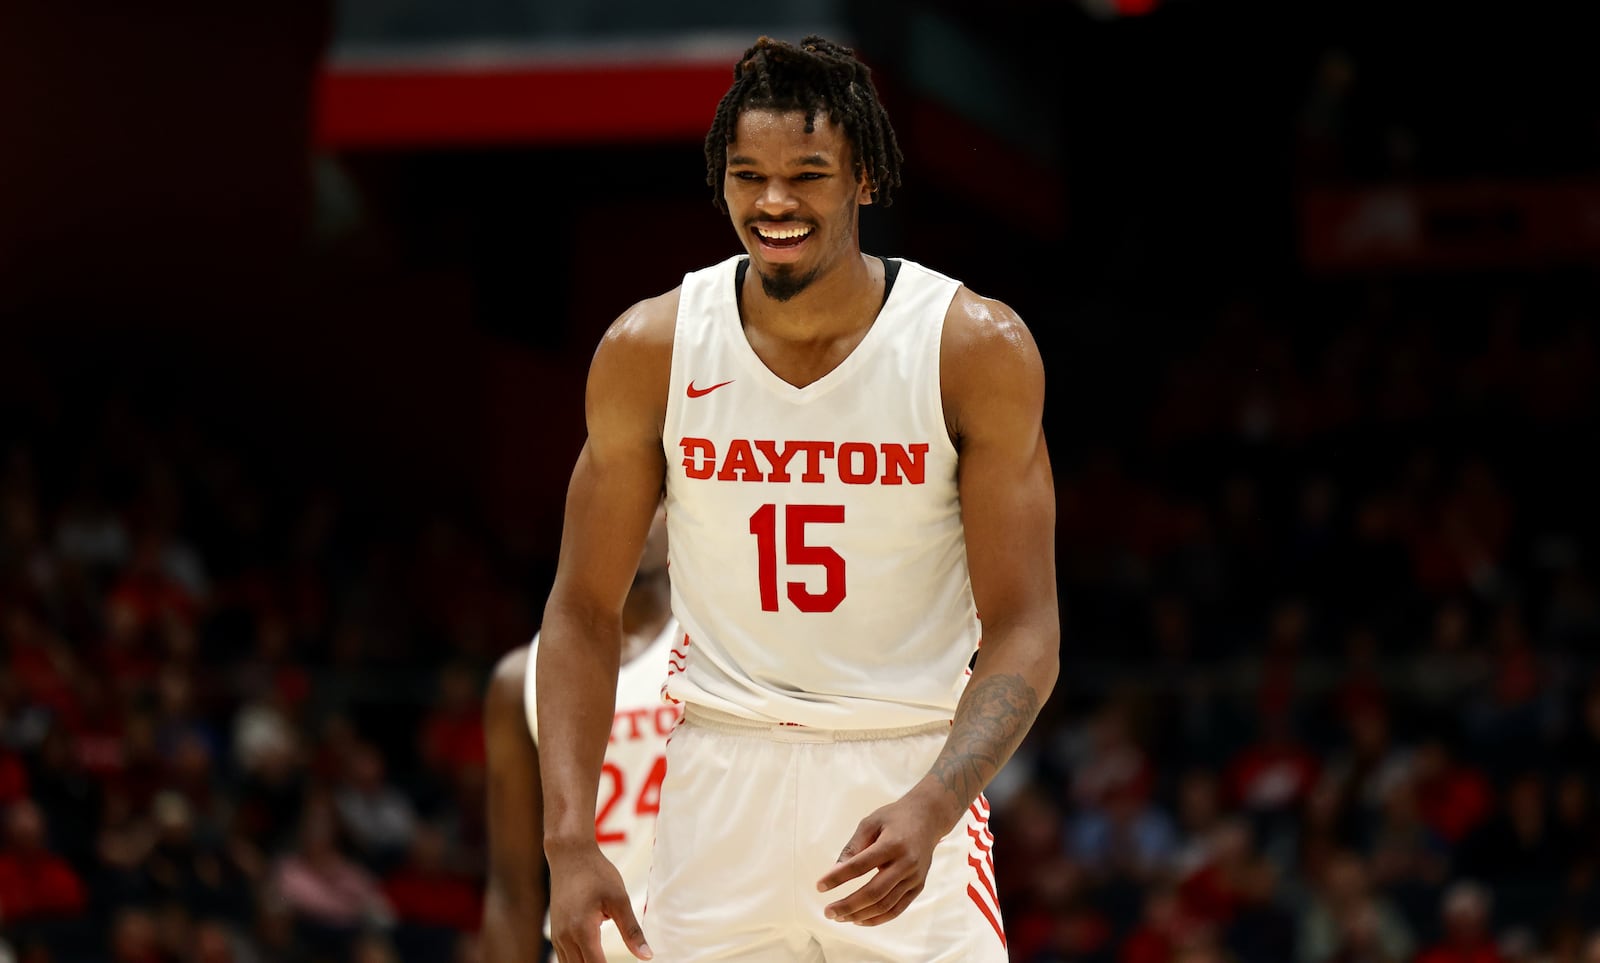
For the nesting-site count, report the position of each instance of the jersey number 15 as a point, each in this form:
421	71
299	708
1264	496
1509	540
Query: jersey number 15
764	526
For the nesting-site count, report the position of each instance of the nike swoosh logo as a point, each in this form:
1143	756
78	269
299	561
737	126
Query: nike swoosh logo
701	392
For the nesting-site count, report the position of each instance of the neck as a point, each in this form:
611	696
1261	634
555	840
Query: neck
838	301
645	613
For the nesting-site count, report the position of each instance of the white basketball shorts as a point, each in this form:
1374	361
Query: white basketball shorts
752	816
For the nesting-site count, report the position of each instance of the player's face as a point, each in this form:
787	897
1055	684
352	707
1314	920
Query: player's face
792	197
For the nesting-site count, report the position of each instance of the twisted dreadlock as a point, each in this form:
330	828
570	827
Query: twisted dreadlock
818	76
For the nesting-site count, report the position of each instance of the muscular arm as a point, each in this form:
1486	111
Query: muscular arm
513	912
994	389
993	385
615	488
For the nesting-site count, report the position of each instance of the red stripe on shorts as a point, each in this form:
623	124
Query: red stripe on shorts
988	913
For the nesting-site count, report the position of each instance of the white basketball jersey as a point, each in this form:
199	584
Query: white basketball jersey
635	763
818	562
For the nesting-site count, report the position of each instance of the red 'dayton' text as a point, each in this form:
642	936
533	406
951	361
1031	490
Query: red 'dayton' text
808	462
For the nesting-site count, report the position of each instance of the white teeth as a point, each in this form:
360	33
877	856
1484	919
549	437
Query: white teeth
783	235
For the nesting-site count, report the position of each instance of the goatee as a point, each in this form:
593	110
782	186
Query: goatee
786	284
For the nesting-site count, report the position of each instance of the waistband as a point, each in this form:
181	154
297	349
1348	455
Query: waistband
726	722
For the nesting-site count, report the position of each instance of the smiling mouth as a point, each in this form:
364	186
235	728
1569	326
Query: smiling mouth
789	235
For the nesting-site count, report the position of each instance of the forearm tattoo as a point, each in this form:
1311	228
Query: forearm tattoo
990	722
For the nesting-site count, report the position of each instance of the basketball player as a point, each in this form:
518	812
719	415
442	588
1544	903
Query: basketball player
855	468
515	924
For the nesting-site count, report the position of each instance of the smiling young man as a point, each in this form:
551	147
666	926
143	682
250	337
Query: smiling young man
855	467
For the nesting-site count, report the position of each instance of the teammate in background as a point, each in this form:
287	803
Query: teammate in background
515	922
855	467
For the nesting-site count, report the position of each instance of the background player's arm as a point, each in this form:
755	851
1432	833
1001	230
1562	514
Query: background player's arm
612	498
993	386
513	912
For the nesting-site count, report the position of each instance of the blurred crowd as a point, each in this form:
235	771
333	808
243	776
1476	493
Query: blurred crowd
1330	686
1328	695
239	710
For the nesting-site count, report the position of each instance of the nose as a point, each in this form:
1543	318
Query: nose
775	198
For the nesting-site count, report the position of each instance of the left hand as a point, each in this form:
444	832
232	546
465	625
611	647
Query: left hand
897	841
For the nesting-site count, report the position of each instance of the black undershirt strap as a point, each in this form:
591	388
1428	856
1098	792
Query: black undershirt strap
891	270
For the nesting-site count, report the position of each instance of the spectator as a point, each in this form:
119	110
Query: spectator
1464	912
1200	812
135	937
35	883
1449	669
13	777
271	795
376	815
1519	850
1408	860
187	871
1271	777
1262	929
1453	798
1213	890
1126	837
1110	759
1159	931
1028	835
1362	771
216	942
332	896
1577	829
427	890
1347	922
1580	747
452	731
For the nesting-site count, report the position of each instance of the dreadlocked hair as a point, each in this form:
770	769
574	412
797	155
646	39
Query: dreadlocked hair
818	76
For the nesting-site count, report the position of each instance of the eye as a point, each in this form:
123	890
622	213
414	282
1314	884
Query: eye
746	175
810	176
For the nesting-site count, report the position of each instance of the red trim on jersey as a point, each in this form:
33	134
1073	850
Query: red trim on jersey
674	667
980	859
988	913
977	837
978	865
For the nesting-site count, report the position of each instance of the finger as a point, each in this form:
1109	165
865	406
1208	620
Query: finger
580	947
854	859
565	953
872	899
869	859
867	832
859	855
632	932
899	907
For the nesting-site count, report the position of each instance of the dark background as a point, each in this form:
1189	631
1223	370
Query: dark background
329	394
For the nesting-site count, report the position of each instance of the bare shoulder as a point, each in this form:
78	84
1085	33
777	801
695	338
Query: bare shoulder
987	355
632	367
976	327
644	329
509	676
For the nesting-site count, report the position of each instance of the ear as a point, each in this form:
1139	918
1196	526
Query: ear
864	190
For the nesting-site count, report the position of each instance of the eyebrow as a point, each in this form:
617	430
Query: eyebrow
809	160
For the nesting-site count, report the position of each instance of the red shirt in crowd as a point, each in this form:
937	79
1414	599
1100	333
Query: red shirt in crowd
1445	953
38	885
434	899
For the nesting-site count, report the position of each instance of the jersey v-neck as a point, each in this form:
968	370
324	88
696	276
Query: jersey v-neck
891	271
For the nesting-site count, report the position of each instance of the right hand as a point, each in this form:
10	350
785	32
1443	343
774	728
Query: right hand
586	890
